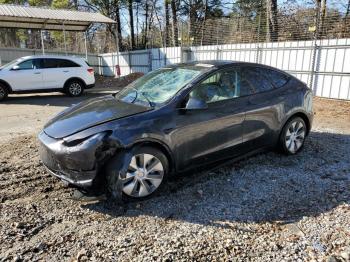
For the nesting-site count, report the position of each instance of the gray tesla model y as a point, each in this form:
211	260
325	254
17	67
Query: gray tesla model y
173	119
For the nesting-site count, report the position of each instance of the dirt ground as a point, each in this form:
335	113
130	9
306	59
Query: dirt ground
266	208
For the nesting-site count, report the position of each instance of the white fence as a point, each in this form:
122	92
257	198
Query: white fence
139	61
323	64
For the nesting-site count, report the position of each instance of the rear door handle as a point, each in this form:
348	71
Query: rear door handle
37	73
65	71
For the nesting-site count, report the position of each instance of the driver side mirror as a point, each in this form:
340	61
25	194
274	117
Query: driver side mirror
196	103
16	67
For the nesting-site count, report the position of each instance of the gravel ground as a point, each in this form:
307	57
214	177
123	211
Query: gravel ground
265	208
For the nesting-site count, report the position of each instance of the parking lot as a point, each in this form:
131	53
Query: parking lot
268	207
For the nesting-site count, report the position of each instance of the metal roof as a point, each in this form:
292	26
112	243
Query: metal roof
27	17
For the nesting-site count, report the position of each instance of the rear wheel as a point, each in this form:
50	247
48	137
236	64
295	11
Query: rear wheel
74	88
145	174
3	92
293	136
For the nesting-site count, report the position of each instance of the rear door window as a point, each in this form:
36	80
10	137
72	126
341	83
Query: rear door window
51	63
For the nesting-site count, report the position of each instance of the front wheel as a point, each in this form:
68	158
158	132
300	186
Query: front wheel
3	92
293	135
145	173
74	88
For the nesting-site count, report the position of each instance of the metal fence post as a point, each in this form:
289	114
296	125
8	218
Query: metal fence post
186	54
181	54
314	53
314	67
113	64
165	56
257	59
218	53
130	64
150	60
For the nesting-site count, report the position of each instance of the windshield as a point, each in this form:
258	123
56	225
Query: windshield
159	86
10	64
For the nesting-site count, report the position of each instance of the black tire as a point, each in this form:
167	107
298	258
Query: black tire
292	136
3	92
74	88
120	165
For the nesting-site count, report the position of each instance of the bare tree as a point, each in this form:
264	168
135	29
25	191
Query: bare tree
159	22
272	23
323	16
167	23
117	19
145	36
175	25
131	19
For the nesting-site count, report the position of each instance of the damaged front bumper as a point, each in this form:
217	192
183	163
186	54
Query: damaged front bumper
76	162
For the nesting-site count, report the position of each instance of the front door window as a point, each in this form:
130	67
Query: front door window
220	86
28	64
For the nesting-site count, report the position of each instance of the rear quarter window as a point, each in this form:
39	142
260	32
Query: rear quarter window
278	79
68	63
257	81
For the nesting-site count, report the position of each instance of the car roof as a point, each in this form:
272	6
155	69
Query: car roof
203	63
52	56
219	63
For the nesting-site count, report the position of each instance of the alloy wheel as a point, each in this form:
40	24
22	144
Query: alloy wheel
2	92
295	136
75	88
144	175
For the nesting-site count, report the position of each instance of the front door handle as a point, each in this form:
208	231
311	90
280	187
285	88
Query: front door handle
37	73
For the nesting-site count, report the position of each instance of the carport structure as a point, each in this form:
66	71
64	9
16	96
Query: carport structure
27	17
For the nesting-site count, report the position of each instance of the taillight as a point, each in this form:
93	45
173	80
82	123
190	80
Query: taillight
91	70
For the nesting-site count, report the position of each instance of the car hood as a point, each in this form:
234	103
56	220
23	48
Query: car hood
90	113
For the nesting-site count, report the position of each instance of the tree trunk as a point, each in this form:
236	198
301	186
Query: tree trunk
137	24
119	28
160	25
322	17
272	23
317	17
145	35
166	29
175	25
345	31
193	18
204	20
131	17
107	38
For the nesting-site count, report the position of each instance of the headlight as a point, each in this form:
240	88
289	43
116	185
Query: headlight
87	133
86	141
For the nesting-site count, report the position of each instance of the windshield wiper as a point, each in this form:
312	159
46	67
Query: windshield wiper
151	104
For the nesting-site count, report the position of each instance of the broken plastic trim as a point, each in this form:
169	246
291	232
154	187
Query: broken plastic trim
85	140
87	133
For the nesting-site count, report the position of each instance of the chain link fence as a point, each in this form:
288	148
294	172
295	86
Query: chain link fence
290	25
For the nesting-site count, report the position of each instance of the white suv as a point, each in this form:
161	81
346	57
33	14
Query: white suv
46	73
